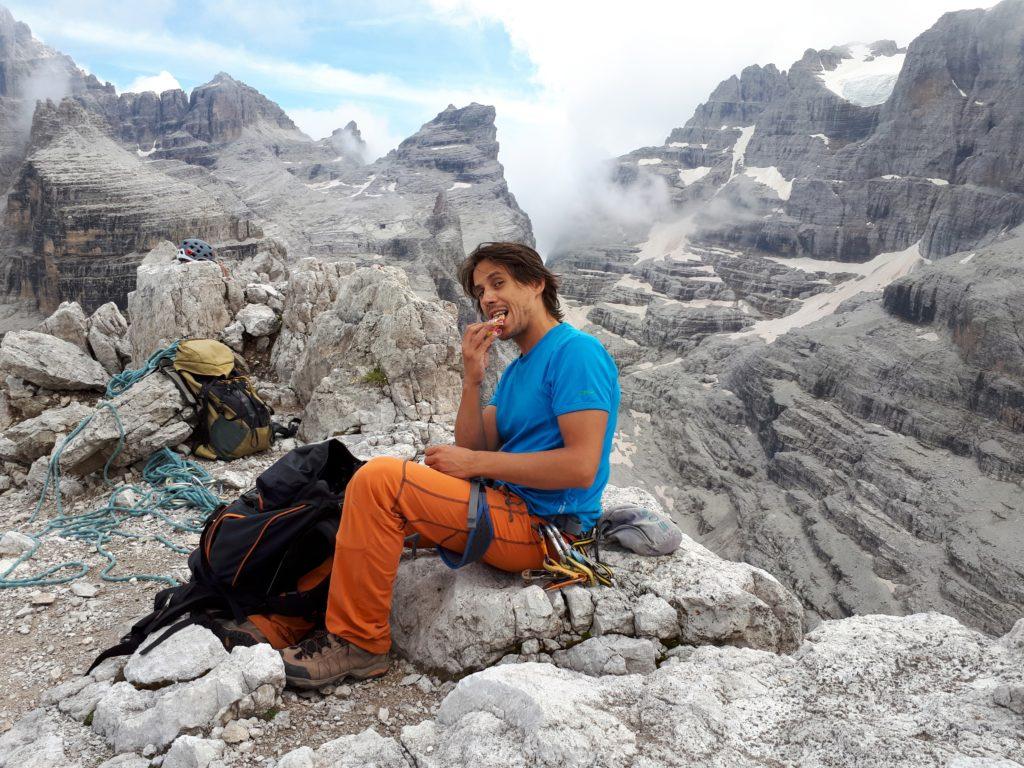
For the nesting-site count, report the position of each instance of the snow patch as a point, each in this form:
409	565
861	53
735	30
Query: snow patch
679	144
443	146
575	314
967	258
863	79
668	239
459	185
362	188
689	175
146	153
979	103
877	274
891	176
821	136
773	178
939	182
649	161
959	89
931	336
628	281
323	186
739	149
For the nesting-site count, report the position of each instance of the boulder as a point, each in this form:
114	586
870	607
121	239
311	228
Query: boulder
108	338
312	290
152	414
258	320
194	652
453	622
50	362
869	690
354	751
380	333
174	301
68	322
193	752
246	682
609	655
34	742
28	440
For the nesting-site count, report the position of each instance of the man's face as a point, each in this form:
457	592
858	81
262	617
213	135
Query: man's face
499	293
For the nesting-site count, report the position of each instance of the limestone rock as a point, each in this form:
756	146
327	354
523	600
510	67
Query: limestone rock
50	362
34	742
906	683
153	415
130	718
609	655
68	322
258	320
108	338
13	543
193	752
176	301
194	652
355	751
458	621
378	333
28	440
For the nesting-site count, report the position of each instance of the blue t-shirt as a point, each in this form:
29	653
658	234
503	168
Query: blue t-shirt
566	371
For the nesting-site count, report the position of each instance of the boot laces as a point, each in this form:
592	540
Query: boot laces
314	644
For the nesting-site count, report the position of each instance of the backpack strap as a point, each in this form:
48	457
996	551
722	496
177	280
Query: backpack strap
480	530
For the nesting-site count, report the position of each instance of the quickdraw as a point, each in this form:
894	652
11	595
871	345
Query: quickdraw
568	563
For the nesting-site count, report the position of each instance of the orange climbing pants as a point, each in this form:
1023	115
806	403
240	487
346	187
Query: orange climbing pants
387	500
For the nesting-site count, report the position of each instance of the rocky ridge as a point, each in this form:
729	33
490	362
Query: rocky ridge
847	419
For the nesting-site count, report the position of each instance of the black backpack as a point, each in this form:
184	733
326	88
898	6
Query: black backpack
253	552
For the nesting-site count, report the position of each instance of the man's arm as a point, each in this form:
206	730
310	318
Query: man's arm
475	429
573	466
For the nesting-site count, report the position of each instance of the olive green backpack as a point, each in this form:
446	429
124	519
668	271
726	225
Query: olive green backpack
233	420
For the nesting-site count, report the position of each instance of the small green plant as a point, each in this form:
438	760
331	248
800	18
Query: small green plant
270	714
88	719
376	376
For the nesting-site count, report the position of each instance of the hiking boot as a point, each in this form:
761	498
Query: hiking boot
234	634
325	659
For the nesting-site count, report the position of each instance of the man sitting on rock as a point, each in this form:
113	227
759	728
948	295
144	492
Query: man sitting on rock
543	441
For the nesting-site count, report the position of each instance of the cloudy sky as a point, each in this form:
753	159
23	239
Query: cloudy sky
572	84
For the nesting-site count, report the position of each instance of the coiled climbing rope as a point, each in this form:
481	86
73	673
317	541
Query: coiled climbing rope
172	483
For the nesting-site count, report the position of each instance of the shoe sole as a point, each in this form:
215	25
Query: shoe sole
366	673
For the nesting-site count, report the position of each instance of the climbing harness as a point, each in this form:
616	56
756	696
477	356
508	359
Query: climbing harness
173	483
567	563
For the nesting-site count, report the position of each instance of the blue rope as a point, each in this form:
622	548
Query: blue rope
174	483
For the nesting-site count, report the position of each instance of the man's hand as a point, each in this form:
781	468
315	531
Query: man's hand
452	460
476	343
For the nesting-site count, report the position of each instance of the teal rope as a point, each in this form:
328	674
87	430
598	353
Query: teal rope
123	381
174	483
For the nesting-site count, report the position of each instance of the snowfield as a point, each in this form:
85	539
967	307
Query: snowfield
861	79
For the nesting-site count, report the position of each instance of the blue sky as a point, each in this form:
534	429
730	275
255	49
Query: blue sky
573	81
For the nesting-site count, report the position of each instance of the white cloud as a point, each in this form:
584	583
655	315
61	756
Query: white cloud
159	83
607	79
614	80
375	129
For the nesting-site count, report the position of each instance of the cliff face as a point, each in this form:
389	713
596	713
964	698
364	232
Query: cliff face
820	334
84	209
857	150
102	177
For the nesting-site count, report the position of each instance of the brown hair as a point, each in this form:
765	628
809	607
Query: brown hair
522	262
